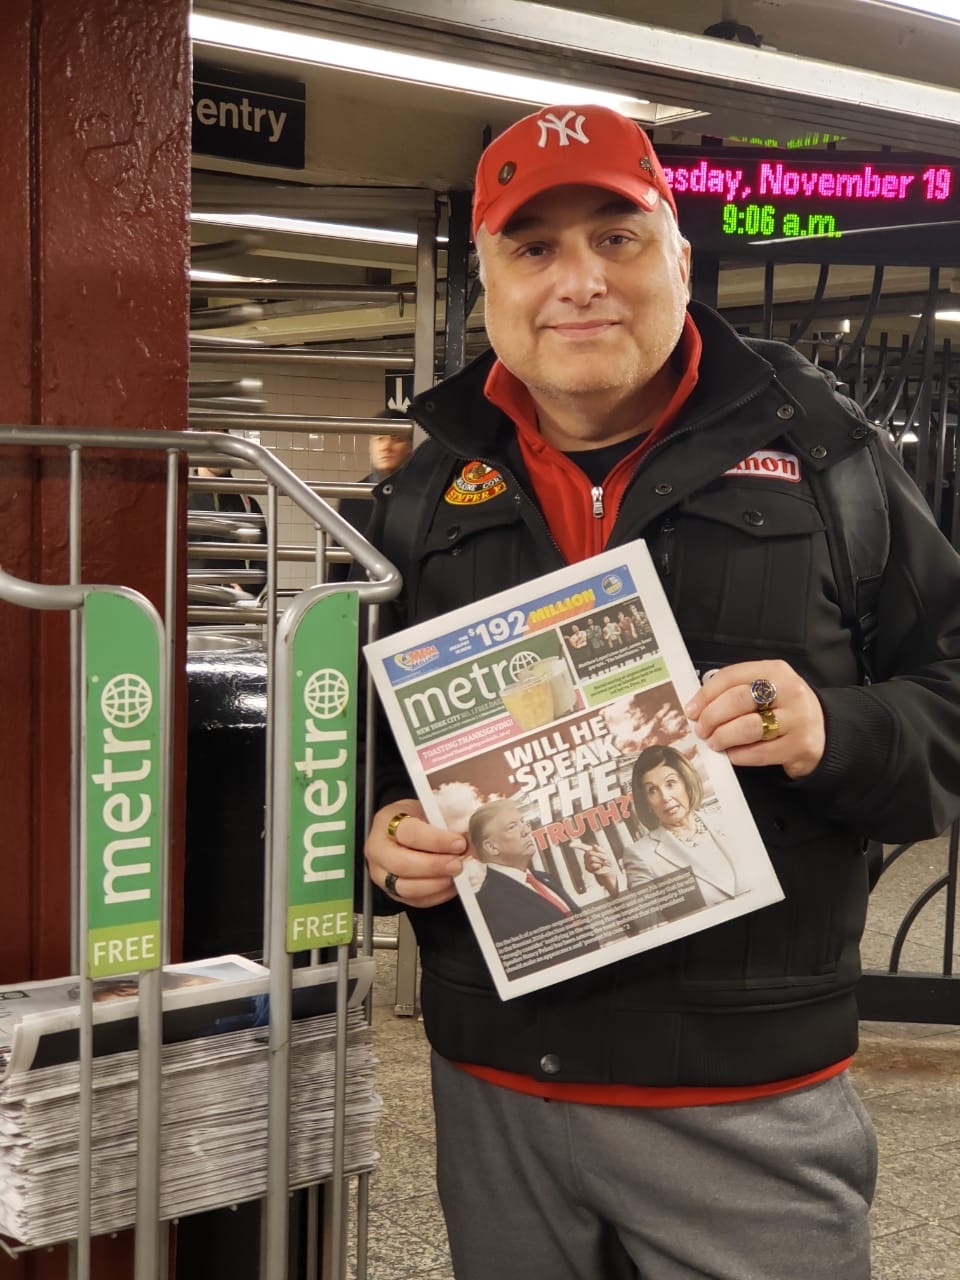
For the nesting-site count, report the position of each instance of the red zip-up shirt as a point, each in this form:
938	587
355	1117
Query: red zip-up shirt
580	515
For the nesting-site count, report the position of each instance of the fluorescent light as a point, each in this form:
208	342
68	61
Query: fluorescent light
222	277
308	227
949	315
226	33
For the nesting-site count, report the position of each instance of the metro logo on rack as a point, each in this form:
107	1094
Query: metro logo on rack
322	780
122	820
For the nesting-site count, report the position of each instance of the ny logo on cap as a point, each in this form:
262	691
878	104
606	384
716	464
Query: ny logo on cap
565	132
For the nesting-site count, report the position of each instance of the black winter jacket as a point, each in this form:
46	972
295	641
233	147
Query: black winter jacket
746	565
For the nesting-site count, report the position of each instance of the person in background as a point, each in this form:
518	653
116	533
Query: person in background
387	452
699	1108
217	502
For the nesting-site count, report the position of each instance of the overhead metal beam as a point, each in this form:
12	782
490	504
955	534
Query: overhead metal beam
390	207
894	304
665	66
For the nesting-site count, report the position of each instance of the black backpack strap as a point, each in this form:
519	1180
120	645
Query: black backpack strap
858	533
853	502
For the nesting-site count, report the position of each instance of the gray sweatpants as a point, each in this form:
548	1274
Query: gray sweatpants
776	1189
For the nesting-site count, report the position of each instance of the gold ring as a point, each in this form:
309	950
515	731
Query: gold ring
394	823
771	726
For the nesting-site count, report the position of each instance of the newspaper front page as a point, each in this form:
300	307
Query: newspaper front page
546	724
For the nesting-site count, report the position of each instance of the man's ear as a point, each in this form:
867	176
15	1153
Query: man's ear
684	255
478	250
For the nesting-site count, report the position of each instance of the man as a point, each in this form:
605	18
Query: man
513	898
387	453
577	639
700	1106
595	635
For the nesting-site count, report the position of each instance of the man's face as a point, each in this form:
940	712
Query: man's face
585	295
508	840
387	452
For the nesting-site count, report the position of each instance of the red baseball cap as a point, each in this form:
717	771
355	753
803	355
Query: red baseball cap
586	146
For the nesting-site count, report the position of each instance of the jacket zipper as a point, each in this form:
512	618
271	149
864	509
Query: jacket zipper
667	530
596	492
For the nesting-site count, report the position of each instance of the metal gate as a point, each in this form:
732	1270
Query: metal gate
911	390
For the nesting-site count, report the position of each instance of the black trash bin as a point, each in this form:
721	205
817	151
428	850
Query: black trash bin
223	879
223	895
226	755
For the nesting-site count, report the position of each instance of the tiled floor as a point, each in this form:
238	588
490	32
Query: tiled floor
909	1076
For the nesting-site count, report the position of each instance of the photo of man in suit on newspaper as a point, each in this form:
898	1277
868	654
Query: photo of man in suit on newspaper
513	897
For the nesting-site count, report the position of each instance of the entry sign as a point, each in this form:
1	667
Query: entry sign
322	783
122	764
242	115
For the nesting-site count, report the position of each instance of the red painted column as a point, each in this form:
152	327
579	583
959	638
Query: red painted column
94	257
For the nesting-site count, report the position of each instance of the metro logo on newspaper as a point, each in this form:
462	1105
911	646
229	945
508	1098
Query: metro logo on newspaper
455	699
551	733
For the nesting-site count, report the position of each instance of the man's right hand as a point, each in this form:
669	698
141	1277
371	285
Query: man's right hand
424	858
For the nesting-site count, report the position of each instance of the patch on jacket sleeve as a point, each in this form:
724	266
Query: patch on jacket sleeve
476	483
770	465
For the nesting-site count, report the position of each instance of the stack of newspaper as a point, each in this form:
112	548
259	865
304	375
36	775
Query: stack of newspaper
214	1116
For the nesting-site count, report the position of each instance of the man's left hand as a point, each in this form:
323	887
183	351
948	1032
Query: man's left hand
727	718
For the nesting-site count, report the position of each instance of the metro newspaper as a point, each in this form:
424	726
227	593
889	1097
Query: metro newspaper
39	1020
546	724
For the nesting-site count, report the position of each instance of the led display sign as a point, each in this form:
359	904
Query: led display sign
840	207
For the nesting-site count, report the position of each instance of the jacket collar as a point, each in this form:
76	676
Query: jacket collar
459	416
739	393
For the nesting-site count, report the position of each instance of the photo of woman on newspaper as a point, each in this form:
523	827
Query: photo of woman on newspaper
668	801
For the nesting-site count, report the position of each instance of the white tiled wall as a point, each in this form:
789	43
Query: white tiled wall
323	390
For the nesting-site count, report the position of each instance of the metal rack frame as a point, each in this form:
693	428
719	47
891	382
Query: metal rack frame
382	584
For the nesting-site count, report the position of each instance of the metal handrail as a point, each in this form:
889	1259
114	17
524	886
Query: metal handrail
383	581
298	422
